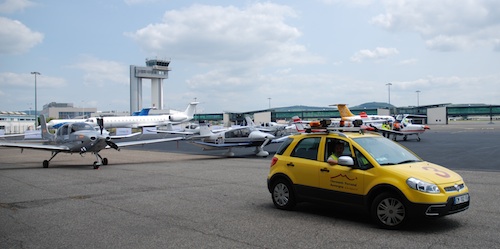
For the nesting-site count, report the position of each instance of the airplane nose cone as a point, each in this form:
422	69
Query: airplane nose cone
270	136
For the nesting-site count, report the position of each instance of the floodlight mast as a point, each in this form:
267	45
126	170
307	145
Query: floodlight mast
36	109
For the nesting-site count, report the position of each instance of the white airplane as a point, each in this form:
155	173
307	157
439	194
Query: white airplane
78	138
269	127
56	123
244	136
347	115
147	121
403	127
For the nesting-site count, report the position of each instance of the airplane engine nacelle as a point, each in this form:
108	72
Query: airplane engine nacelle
178	117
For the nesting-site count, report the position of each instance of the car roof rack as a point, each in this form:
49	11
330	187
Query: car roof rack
327	126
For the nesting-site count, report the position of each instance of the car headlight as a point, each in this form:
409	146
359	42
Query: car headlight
419	185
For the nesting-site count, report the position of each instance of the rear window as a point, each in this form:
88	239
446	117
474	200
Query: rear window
307	148
283	146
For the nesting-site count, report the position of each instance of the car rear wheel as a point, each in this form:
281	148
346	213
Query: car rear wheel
282	194
389	211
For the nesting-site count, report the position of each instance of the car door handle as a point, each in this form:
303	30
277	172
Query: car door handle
324	170
290	164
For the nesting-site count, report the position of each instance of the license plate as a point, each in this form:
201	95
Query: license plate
461	199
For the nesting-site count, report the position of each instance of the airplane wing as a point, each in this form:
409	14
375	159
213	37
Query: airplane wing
126	136
279	140
150	141
35	146
214	146
171	132
11	135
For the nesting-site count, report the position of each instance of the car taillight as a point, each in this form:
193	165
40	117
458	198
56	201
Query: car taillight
274	161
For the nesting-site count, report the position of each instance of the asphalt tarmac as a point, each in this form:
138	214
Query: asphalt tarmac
183	197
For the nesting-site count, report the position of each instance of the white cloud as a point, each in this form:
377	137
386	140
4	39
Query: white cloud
412	61
227	35
448	89
376	54
10	6
101	73
16	37
27	80
445	25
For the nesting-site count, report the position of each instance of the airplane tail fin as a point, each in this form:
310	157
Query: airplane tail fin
298	124
191	109
205	130
344	111
45	131
143	112
249	121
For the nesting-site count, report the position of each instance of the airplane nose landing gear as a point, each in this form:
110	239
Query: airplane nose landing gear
100	161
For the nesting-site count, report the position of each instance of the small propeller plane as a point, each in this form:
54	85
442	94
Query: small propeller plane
244	136
269	127
78	137
403	126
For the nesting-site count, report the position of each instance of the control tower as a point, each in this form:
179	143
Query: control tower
156	70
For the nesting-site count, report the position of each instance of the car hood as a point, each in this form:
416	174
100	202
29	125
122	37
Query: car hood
428	172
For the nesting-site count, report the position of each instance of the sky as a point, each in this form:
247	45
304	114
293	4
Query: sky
240	56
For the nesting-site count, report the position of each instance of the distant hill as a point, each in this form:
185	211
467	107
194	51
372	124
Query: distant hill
374	105
298	108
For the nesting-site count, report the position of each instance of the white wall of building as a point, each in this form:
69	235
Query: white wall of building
437	115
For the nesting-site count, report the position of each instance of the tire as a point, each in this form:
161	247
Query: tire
282	195
389	211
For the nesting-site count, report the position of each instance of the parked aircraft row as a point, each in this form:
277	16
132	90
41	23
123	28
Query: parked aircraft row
82	137
401	125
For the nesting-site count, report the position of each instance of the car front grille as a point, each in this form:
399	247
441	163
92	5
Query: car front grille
455	188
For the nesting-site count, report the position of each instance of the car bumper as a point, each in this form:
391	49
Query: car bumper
442	209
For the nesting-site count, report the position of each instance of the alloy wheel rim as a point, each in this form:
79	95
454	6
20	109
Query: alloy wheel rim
281	194
391	212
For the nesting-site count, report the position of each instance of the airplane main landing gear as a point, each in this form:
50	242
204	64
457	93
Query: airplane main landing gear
45	163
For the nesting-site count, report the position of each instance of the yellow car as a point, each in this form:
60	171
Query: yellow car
370	171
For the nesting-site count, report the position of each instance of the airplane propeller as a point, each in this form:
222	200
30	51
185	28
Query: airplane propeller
112	145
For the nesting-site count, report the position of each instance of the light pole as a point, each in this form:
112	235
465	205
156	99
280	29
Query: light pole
83	108
389	90
269	102
36	118
418	92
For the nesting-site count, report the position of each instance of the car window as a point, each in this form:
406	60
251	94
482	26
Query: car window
330	147
307	148
362	161
284	146
386	151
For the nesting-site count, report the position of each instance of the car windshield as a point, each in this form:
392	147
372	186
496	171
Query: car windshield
386	151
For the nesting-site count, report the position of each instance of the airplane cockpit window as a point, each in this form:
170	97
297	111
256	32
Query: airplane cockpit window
245	132
81	127
63	130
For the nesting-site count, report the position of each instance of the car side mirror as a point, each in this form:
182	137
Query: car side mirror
346	161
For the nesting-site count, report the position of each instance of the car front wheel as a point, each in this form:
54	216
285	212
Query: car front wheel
389	211
282	194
